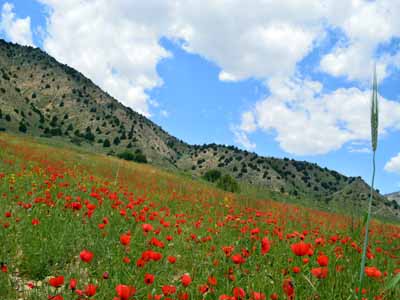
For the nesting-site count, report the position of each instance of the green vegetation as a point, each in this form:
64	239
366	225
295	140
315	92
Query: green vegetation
89	118
138	156
116	226
225	182
212	175
22	127
374	145
228	183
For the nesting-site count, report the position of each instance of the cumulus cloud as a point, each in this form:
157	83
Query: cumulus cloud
259	39
307	122
393	165
116	44
366	25
242	138
17	30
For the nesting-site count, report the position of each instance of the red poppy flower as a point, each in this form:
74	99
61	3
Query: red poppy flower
90	290
239	293
156	242
320	273
76	205
212	280
140	263
125	239
258	296
86	255
265	246
274	296
183	296
186	280
323	260
4	268
155	256
30	285
373	272
171	259
238	259
296	269
125	292
126	260
168	290
288	288
147	228
72	283
56	281
300	249
204	288
148	279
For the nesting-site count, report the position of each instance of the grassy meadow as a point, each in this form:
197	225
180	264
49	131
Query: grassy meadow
76	225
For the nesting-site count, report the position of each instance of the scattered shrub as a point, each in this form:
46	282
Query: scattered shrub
22	127
228	183
106	143
212	175
127	155
138	156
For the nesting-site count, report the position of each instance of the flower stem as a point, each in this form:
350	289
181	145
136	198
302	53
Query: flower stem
364	253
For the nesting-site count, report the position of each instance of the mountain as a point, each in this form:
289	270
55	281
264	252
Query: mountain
42	97
394	197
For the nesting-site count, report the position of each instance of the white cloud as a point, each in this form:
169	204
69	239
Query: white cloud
393	165
242	138
164	113
366	25
17	30
359	150
116	44
355	62
248	122
259	39
224	76
359	147
307	122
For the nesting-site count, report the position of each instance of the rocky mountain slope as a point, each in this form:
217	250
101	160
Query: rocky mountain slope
42	97
394	197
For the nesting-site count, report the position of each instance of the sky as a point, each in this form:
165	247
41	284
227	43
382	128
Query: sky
280	78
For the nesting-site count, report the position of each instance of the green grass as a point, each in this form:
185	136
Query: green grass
202	220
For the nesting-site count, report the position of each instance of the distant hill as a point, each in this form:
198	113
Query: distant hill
394	197
42	97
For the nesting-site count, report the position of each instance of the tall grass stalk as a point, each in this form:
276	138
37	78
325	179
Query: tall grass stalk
374	144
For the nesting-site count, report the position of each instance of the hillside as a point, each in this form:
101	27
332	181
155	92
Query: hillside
79	225
394	197
42	97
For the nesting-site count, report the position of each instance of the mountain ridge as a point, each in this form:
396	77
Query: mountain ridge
395	196
42	97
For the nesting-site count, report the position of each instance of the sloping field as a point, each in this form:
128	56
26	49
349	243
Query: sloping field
75	225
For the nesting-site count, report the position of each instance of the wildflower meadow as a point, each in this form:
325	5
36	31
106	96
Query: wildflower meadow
76	225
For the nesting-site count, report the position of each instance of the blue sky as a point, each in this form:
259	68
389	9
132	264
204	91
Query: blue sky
292	83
